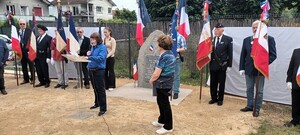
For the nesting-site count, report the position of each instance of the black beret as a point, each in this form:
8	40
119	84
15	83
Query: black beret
219	25
42	27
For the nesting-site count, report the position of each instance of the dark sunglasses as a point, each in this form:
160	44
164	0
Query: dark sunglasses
22	23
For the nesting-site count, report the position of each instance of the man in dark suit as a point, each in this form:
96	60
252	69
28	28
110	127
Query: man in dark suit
43	55
295	87
84	43
24	38
3	58
221	62
247	68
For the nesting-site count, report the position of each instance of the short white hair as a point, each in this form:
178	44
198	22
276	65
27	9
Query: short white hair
22	20
256	22
80	28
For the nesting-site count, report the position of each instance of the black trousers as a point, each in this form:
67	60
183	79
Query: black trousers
165	111
42	71
2	87
217	78
296	106
110	78
25	63
97	78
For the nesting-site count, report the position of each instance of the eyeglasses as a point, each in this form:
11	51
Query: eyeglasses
79	31
22	23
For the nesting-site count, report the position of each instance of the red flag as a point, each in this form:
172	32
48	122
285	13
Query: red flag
15	37
260	49
32	42
142	19
184	25
298	76
205	43
135	70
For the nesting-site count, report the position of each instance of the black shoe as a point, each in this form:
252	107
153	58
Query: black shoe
57	86
246	109
93	107
24	82
101	113
290	124
3	91
212	101
220	103
47	85
87	86
175	96
256	113
39	85
64	86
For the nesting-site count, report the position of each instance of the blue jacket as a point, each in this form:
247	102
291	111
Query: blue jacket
4	52
97	57
246	61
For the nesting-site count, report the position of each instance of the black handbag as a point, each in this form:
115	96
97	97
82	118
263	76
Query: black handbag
164	82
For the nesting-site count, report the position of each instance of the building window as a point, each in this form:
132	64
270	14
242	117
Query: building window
24	10
37	11
11	9
109	11
90	7
75	10
99	9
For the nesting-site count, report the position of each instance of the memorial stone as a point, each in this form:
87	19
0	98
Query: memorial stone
148	56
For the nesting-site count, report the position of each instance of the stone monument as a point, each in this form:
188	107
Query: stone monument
148	56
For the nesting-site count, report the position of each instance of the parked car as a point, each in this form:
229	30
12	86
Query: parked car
8	44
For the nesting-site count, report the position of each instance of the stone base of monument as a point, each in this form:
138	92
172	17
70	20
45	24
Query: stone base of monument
130	92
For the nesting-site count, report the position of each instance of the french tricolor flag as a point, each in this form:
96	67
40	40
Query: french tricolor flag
151	48
32	43
60	35
73	44
135	70
260	49
142	19
14	37
205	43
298	76
184	25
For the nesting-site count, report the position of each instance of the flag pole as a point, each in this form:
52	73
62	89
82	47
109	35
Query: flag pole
63	61
201	78
16	68
33	69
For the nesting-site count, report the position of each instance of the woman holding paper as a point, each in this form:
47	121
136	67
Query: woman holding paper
96	66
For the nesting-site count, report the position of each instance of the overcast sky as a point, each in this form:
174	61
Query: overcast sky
129	4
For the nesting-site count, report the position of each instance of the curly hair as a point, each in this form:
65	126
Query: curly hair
165	42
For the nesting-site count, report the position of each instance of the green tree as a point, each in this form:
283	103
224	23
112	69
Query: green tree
125	14
164	9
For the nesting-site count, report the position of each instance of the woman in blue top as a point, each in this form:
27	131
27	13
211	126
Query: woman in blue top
162	79
96	66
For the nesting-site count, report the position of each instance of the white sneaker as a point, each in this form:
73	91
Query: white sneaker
111	89
156	124
163	131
